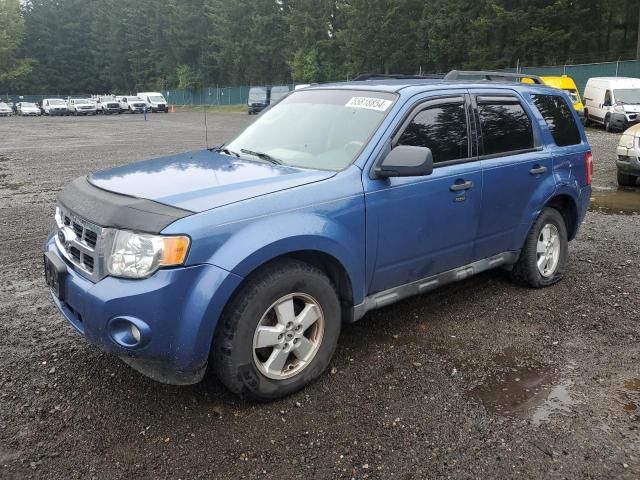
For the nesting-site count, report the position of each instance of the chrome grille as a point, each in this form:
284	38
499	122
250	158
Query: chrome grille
81	243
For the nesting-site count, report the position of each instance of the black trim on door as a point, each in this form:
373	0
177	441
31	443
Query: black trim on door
429	103
511	99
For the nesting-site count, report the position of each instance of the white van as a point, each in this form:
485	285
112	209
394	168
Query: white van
54	106
613	102
155	101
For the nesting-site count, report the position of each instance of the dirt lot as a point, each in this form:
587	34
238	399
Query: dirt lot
479	380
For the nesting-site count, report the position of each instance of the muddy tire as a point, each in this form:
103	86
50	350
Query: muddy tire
625	180
544	257
254	350
607	124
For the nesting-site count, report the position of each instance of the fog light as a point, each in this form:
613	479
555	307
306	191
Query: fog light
135	333
129	332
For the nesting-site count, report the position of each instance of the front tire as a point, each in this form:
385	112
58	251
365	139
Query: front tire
607	124
625	180
278	333
543	259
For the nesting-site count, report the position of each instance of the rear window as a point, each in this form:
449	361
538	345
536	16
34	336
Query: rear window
506	127
559	118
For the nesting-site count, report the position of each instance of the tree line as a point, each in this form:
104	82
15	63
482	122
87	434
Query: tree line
73	46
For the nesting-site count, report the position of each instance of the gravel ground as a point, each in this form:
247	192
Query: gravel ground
481	379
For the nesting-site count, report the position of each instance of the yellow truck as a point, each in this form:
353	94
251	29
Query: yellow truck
567	84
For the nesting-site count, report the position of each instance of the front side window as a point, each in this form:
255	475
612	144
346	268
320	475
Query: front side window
320	129
559	118
443	129
505	126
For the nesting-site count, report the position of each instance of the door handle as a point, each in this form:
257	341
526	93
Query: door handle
537	170
458	187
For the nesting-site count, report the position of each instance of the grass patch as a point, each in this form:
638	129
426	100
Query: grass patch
212	108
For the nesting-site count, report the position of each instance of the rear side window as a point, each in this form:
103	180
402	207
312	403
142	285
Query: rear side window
506	127
559	118
443	129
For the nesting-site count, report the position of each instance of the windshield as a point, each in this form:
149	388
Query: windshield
258	94
134	99
157	99
320	129
627	95
56	102
25	104
3	105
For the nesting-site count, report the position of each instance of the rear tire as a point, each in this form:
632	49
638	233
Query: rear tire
543	259
625	180
271	372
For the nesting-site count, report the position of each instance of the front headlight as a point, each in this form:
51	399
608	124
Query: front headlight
139	255
619	108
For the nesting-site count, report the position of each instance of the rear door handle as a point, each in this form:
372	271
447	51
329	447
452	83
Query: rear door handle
458	187
537	170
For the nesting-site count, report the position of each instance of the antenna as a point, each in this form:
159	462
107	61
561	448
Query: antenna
204	104
206	130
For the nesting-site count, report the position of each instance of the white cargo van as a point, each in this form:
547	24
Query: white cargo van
155	101
613	102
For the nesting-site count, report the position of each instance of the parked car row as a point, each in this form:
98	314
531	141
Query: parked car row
94	105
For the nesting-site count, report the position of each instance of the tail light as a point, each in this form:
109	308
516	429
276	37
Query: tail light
588	159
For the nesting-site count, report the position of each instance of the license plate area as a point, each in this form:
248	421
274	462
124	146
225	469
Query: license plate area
55	271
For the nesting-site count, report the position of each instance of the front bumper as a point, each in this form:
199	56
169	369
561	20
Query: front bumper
628	164
622	121
176	309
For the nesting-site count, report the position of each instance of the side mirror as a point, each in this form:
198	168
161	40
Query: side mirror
406	161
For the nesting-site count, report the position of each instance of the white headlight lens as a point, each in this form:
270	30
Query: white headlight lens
619	108
138	255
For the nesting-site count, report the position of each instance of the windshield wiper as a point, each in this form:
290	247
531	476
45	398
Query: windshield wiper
262	156
223	149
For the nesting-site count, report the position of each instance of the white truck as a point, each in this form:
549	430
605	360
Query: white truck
81	106
108	105
131	104
155	101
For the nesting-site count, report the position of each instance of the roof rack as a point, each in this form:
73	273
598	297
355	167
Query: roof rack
491	76
395	76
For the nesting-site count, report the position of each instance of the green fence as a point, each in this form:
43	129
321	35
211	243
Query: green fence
204	96
217	95
582	73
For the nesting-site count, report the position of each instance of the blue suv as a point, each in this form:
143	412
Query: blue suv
340	199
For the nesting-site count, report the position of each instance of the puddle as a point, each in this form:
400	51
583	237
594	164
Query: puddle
632	384
529	391
616	202
518	392
558	401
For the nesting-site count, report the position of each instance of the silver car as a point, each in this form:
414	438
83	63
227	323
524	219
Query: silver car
5	110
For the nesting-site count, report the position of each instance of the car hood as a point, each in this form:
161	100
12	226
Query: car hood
633	131
631	108
200	181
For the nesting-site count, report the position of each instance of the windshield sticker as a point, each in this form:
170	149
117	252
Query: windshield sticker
379	104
